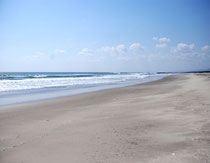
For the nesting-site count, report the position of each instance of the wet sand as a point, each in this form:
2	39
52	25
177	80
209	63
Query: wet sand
162	121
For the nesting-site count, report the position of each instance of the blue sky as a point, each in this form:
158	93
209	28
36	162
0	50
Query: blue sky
104	35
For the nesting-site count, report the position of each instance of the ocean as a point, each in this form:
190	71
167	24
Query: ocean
21	87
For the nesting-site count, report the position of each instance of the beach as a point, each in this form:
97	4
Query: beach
161	121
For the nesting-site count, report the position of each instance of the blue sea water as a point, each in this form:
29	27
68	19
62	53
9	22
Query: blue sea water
20	87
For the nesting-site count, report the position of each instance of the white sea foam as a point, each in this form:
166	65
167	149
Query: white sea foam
40	82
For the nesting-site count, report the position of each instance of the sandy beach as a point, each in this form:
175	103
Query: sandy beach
162	121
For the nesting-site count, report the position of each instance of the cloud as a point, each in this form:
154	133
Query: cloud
113	50
37	55
161	45
59	51
161	39
121	49
136	46
184	48
164	39
86	52
206	51
155	38
107	49
206	48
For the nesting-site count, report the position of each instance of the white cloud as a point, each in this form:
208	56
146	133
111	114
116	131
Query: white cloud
161	45
184	48
119	49
59	51
136	46
37	55
107	49
155	38
86	52
164	39
161	39
206	48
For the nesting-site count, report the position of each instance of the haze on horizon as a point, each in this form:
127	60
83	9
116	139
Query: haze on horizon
104	35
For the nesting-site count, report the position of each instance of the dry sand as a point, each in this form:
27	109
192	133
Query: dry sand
166	121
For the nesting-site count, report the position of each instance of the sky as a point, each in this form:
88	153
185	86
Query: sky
104	35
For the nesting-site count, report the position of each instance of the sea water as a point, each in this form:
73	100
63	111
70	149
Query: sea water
20	87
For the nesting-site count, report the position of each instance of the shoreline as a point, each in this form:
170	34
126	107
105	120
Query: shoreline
67	93
160	121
